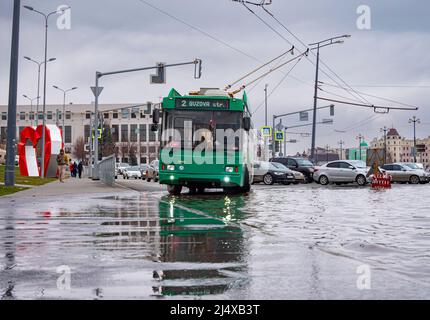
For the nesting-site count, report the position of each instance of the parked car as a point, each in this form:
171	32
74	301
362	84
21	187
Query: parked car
342	172
418	167
152	171
121	166
404	174
302	165
131	172
143	168
272	172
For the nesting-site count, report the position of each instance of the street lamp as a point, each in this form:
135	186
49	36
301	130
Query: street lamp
39	64
384	130
64	106
317	46
341	144
415	120
31	106
360	138
46	16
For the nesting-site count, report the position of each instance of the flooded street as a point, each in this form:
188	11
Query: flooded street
278	242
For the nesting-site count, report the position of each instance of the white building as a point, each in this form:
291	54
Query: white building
128	126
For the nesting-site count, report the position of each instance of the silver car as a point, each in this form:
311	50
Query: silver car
342	172
406	173
131	172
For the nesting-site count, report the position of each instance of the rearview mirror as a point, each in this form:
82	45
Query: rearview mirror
246	123
351	167
156	116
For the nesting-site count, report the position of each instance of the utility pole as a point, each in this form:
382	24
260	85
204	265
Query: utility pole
360	138
266	147
318	46
415	120
327	147
341	144
385	130
9	176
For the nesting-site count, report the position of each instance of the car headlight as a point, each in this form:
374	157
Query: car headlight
171	167
279	173
229	169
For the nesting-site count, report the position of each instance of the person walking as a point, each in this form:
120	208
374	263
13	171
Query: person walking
75	169
80	169
62	161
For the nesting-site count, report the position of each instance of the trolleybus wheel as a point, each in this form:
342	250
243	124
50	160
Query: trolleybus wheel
174	189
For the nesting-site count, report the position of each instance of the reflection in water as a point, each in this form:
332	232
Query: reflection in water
200	251
193	234
10	249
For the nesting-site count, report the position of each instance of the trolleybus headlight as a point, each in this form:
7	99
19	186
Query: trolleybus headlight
172	177
226	179
229	169
171	167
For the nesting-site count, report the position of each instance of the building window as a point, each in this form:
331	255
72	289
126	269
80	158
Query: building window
124	133
31	115
115	133
4	115
88	115
68	115
68	134
3	134
106	115
49	115
40	115
143	136
22	116
125	113
86	133
115	115
147	109
133	133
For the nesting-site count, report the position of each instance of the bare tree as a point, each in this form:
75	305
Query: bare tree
79	149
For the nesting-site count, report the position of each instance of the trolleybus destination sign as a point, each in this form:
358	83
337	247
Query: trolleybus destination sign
202	103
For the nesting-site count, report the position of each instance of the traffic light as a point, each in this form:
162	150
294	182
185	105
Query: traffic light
332	110
198	69
160	77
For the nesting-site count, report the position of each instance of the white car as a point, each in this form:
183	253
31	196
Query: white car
132	172
342	172
121	166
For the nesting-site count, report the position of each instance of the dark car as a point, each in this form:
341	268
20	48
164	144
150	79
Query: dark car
271	173
302	165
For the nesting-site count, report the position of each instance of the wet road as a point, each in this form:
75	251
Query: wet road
279	242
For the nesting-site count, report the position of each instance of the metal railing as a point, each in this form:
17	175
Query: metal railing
107	170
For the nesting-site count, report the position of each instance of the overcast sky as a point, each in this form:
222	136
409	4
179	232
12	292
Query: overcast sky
391	60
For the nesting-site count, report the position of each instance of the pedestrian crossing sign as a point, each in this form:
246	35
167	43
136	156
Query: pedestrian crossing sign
279	136
266	131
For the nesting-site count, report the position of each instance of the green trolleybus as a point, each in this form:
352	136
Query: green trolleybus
206	142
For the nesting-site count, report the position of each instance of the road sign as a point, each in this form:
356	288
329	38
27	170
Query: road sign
266	131
304	116
160	77
99	90
279	136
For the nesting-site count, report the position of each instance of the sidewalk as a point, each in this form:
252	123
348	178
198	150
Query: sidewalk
71	186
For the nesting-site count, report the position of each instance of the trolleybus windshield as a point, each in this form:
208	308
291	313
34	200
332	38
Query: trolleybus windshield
210	121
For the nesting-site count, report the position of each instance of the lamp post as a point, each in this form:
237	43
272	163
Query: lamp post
64	106
318	46
415	120
9	175
360	140
46	17
385	130
31	106
39	64
341	144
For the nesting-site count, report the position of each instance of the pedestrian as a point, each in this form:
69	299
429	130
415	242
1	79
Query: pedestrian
62	161
71	169
75	169
80	169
